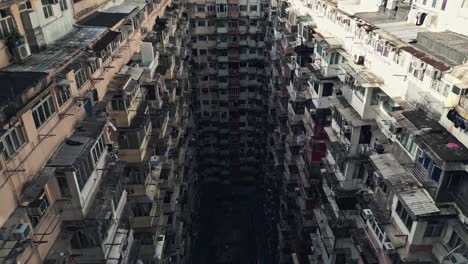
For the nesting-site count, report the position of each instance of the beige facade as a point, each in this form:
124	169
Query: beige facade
43	115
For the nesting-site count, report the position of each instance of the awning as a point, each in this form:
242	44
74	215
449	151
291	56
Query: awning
36	186
108	37
364	77
418	202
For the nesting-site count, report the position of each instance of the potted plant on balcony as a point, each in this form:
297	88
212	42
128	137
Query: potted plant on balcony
14	39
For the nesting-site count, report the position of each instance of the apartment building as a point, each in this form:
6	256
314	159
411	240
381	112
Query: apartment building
88	169
369	146
228	53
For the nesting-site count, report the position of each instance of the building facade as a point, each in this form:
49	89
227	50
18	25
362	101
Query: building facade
91	113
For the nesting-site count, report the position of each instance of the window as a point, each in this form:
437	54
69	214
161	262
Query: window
25	6
233	7
464	4
7	23
63	94
118	104
63	185
404	216
253	23
210	8
80	77
104	55
97	150
81	240
200	8
63	5
93	65
43	110
433	229
455	242
434	3
436	172
38	208
201	23
13	140
244	7
221	8
211	23
253	8
142	209
47	8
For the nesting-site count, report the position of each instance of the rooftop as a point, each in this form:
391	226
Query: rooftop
348	113
441	144
60	53
418	201
448	46
103	19
73	148
393	172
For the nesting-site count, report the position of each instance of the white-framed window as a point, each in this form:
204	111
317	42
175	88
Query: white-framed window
104	55
63	94
253	8
221	8
80	77
13	140
7	23
211	8
63	5
43	110
98	149
25	6
47	8
201	8
93	65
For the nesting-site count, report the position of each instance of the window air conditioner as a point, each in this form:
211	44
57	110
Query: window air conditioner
388	247
382	97
38	209
21	52
20	232
367	214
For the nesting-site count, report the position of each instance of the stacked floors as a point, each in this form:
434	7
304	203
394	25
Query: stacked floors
96	153
368	146
228	61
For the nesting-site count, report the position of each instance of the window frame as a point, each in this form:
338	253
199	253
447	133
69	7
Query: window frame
39	108
14	146
47	9
81	77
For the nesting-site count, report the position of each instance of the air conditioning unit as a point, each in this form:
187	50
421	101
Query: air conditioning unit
20	232
388	247
382	97
346	129
21	52
39	209
367	214
415	65
359	60
395	129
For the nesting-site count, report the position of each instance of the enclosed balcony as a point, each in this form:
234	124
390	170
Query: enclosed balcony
134	141
125	95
